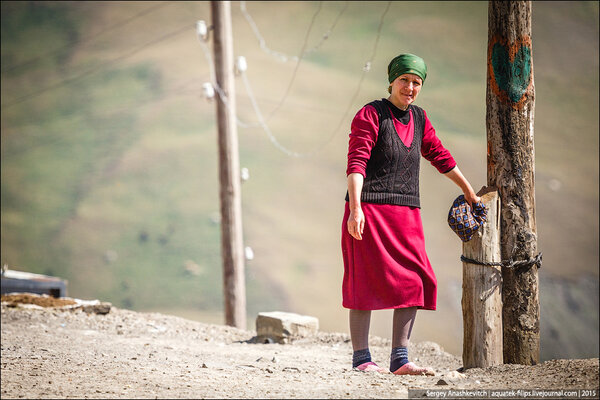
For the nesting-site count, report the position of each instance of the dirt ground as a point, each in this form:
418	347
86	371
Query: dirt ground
69	352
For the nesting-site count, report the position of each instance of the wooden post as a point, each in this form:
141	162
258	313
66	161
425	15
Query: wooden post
482	290
509	121
234	286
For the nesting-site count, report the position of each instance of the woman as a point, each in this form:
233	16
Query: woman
383	247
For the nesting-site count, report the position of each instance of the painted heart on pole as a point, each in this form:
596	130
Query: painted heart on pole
510	70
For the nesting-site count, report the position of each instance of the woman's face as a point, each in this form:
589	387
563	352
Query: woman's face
405	89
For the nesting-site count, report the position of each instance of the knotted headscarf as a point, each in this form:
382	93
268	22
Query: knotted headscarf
406	64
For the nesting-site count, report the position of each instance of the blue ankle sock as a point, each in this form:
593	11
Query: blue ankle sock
398	358
360	357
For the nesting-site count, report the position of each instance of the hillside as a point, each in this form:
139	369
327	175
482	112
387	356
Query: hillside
57	353
109	162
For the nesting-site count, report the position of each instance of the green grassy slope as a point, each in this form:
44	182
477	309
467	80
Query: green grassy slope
109	168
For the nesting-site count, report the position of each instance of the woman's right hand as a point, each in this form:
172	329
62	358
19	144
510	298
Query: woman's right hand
356	223
356	220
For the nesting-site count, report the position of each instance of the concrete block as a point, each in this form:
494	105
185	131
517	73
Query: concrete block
282	327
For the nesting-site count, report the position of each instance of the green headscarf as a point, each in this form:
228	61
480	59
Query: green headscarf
406	64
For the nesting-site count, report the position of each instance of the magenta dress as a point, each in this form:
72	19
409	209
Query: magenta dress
389	267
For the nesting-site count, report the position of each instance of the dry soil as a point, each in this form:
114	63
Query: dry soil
66	352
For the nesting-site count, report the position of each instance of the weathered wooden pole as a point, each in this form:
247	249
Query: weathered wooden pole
482	290
509	120
234	285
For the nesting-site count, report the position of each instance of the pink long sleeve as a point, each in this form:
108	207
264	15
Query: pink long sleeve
363	136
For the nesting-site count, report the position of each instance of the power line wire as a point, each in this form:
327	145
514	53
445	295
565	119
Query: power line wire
85	40
328	33
263	44
366	68
297	105
99	67
219	90
277	54
284	57
272	137
262	121
300	57
222	95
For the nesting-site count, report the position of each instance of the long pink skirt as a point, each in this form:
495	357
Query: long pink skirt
389	267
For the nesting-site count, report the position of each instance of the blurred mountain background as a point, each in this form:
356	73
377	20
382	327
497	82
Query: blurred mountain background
109	152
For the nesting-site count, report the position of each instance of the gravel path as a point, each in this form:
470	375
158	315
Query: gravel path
56	352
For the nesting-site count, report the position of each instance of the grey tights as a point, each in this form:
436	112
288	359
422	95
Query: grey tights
360	322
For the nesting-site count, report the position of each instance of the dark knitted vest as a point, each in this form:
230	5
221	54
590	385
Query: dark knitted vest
392	174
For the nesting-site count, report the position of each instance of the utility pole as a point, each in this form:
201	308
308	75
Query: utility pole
234	285
510	168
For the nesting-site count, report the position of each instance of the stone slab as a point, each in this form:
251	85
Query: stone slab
283	327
